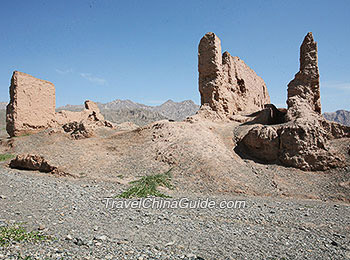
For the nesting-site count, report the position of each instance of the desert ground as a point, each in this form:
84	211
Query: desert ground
289	167
289	213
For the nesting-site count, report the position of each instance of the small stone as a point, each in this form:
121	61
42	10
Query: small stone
121	242
333	243
69	237
41	227
170	243
78	241
101	238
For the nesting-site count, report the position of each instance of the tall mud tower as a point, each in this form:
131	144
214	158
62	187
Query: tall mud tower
304	89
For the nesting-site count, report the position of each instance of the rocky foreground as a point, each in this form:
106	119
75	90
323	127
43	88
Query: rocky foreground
74	214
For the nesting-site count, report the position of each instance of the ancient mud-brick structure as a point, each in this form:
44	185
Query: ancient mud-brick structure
304	90
226	84
32	108
32	104
303	140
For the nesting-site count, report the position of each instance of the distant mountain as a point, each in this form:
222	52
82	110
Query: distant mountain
339	116
119	111
2	119
3	105
137	116
123	104
71	108
177	110
2	116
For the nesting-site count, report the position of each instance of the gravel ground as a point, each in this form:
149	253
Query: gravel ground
74	213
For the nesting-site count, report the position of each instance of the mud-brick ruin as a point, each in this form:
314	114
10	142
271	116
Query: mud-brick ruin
226	84
32	109
230	91
298	137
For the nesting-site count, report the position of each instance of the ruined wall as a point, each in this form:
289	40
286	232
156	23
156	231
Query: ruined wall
226	84
32	107
303	141
32	104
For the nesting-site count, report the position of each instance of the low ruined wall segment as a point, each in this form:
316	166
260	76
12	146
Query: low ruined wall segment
32	107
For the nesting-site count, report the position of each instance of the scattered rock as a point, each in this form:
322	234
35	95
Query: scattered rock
31	162
41	227
333	243
191	256
78	130
35	163
101	238
79	241
170	243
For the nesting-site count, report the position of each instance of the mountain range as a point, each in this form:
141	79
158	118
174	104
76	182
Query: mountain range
3	105
119	111
340	116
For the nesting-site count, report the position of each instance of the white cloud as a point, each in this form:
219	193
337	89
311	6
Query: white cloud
336	85
63	71
93	79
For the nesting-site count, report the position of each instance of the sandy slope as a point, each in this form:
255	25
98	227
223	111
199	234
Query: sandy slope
201	155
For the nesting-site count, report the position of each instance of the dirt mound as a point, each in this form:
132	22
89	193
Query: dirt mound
201	154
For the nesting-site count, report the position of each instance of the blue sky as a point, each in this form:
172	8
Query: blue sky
146	51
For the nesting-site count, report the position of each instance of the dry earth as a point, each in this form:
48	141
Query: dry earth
73	212
290	213
201	154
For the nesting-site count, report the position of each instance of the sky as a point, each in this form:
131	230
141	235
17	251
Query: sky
146	51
